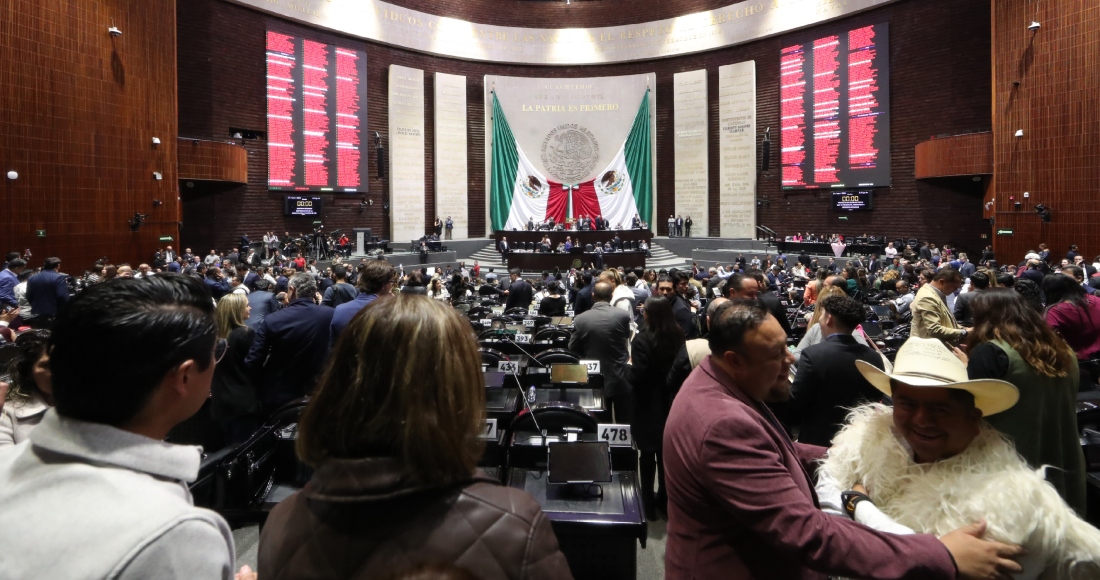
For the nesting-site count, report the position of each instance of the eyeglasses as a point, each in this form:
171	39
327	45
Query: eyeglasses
219	350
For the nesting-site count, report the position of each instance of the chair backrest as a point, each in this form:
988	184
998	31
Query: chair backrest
491	356
554	417
553	334
557	355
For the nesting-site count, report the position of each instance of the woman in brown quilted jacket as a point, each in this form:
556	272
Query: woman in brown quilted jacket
395	452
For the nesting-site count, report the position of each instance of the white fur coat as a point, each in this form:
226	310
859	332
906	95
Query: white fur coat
987	481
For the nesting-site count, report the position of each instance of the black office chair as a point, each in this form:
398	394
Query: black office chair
554	417
516	310
492	356
553	334
557	356
491	334
530	246
478	313
589	248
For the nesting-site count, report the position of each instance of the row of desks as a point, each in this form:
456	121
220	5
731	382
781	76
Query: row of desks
577	237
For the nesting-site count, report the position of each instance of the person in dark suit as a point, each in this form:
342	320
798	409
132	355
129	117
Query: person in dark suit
217	283
617	242
244	243
291	346
966	268
681	308
652	352
963	313
47	292
502	247
262	301
741	286
519	293
741	503
583	302
680	226
828	384
603	334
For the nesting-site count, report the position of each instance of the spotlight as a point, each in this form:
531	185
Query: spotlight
1044	212
157	176
13	175
156	140
1033	26
157	203
114	31
1019	132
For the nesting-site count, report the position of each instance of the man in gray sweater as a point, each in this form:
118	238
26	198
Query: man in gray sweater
96	492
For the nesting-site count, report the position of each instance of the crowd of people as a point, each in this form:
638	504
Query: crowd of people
776	446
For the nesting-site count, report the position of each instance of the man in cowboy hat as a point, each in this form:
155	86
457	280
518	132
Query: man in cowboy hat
930	465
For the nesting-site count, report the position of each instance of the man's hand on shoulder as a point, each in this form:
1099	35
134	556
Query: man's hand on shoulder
979	559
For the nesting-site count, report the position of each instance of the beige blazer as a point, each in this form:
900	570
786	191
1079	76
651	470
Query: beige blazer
932	318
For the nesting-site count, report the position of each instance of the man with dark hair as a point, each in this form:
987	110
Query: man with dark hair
47	292
9	279
217	284
291	345
673	286
519	293
263	302
931	316
743	286
375	280
96	492
1078	274
741	501
340	292
767	296
828	383
978	281
583	302
603	334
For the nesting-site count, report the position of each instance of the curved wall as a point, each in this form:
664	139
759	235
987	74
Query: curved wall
940	84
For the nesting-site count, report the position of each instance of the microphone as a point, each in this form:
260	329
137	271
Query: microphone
523	396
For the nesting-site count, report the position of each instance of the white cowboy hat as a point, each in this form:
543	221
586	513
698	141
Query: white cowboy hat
926	362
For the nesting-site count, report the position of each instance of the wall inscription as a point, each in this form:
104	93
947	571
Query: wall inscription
737	150
406	112
390	24
689	109
450	152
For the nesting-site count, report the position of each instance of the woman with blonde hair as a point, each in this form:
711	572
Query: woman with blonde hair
813	287
234	402
395	458
813	329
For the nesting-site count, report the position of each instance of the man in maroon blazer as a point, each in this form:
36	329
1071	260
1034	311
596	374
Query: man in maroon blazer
741	495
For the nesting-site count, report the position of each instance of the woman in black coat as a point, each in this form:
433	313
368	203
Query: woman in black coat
652	352
234	402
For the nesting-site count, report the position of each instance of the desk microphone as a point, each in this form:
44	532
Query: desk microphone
526	404
509	338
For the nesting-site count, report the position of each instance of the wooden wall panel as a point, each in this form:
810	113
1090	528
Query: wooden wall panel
205	160
955	156
78	113
939	84
1057	104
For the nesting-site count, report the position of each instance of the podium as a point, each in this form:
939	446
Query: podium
362	238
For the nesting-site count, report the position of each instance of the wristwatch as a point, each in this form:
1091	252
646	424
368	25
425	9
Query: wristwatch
851	499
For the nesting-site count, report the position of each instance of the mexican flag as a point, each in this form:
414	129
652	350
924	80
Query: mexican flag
518	192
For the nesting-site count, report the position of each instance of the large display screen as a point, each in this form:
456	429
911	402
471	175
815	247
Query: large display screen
853	200
316	115
835	111
296	205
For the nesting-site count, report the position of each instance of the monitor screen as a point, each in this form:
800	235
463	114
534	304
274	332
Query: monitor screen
853	201
578	462
316	115
568	373
494	379
834	96
298	205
